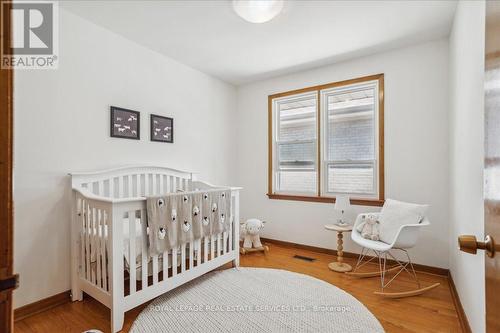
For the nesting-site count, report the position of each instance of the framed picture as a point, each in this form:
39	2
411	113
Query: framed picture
125	123
162	129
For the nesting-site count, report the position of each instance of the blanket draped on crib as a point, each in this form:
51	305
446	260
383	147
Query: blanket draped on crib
178	218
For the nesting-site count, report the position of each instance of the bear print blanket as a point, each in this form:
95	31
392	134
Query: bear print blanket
177	218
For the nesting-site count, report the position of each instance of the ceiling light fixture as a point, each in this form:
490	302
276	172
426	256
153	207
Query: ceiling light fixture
257	11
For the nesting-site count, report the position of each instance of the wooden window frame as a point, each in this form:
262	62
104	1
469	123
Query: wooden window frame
318	197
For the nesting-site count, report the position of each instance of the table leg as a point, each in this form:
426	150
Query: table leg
340	242
340	266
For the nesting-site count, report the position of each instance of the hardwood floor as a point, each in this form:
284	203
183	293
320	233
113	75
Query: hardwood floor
431	312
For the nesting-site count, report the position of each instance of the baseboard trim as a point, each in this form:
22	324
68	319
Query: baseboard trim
462	317
41	305
418	267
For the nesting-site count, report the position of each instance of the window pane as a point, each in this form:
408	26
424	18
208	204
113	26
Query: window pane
351	132
350	179
297	155
297	181
297	119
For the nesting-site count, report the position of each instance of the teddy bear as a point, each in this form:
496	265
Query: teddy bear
369	227
250	232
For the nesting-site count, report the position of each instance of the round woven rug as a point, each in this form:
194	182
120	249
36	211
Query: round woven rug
256	300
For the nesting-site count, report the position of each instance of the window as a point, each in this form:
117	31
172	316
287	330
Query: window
328	140
295	144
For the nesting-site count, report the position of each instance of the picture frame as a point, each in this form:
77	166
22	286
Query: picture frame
125	123
161	128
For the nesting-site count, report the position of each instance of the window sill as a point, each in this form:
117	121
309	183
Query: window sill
358	202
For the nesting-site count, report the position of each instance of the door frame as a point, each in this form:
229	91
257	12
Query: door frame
6	203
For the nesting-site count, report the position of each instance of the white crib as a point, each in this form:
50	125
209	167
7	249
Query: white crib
106	201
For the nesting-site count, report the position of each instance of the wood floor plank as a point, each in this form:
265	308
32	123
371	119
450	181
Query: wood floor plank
432	312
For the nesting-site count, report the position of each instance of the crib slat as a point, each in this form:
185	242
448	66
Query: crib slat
165	265
198	253
231	221
174	261
132	256
183	258
103	238
174	184
82	240
130	186
191	255
111	187
98	247
230	240
100	188
158	184
186	184
236	226
219	245
146	184
93	238
155	269
87	245
224	242
120	187
144	263
138	185
205	249
153	184
169	189
211	247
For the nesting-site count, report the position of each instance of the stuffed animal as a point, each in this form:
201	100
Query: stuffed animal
369	227
186	226
162	232
250	232
196	210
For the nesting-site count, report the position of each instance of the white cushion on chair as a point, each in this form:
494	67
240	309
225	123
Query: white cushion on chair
395	214
368	243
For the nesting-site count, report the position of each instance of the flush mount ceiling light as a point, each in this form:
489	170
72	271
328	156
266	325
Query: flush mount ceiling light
257	11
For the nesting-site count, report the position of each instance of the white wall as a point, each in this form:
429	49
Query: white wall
416	146
62	125
467	154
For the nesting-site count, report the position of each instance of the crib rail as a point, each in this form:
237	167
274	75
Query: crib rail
131	182
90	225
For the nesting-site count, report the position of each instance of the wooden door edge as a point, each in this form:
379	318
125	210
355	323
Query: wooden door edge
6	146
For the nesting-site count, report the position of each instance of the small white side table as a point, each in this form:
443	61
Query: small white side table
339	265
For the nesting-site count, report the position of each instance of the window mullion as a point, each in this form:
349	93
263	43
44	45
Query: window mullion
318	141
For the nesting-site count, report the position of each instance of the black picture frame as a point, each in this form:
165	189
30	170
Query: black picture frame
125	123
161	128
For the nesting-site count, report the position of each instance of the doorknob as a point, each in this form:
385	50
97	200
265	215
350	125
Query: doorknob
469	244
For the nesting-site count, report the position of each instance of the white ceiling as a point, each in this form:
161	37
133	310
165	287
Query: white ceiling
210	37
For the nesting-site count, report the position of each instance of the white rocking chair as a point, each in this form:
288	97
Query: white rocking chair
405	239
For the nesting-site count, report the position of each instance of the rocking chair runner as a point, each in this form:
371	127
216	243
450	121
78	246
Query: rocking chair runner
405	239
